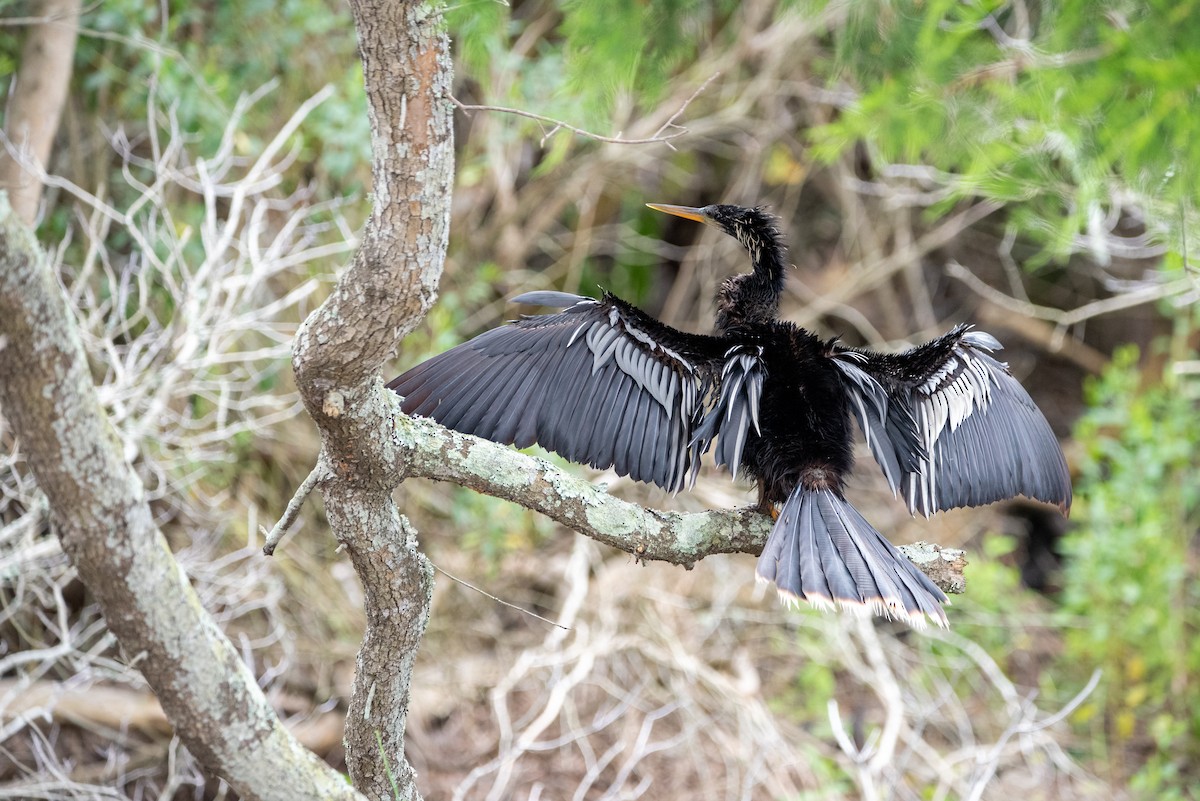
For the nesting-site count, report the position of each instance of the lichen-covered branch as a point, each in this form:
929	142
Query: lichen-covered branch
432	451
102	517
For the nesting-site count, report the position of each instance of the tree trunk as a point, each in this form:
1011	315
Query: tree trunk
37	102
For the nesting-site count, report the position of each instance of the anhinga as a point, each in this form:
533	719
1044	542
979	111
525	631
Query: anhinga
605	384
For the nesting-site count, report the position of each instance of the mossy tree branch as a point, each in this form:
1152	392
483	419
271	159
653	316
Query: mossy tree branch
432	451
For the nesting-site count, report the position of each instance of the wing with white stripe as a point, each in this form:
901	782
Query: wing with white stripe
954	428
600	383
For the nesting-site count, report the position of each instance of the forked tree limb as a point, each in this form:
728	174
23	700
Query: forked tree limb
389	285
370	447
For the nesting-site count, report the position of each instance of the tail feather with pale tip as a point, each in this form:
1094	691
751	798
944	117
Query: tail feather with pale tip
823	551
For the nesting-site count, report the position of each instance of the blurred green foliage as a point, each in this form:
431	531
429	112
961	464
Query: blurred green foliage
196	60
491	528
1132	581
1060	109
599	52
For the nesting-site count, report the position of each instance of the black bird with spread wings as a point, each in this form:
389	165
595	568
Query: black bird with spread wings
603	383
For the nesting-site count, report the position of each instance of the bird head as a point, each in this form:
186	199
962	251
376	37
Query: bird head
744	298
754	228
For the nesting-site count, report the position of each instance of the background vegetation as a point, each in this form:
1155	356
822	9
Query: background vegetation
1031	167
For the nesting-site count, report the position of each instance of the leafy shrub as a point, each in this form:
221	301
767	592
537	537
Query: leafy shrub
1131	589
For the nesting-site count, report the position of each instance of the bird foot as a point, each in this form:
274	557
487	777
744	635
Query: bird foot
767	508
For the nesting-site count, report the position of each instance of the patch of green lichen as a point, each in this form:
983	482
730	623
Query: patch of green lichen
615	519
496	464
696	533
410	431
920	552
570	488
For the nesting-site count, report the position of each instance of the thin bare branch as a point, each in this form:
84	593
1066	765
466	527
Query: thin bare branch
659	135
277	532
560	124
500	601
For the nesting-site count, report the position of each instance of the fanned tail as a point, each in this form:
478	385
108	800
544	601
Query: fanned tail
823	551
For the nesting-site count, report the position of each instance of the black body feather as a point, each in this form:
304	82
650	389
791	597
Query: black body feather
603	383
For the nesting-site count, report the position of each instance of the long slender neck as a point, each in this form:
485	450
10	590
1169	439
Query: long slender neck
766	256
753	297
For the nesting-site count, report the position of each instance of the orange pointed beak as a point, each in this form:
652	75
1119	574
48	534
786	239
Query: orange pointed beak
686	212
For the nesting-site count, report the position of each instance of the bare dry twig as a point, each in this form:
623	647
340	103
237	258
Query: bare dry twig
900	757
277	532
659	135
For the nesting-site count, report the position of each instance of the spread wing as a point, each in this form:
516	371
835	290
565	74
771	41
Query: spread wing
951	427
599	383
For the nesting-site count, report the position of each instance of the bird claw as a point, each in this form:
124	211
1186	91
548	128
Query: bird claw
767	508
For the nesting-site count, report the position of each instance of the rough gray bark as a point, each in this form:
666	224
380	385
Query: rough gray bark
101	516
339	350
37	99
